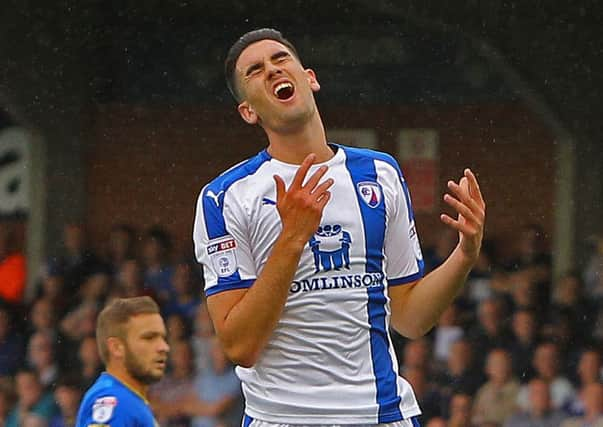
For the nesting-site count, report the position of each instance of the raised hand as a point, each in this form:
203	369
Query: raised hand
471	209
300	206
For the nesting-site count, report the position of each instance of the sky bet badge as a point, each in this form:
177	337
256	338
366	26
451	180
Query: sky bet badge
370	193
223	256
102	410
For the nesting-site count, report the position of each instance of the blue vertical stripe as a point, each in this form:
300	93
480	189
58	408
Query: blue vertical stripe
362	169
247	420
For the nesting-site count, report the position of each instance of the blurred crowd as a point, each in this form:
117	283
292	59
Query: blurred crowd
517	348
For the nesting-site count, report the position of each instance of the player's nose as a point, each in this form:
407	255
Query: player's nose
272	70
164	347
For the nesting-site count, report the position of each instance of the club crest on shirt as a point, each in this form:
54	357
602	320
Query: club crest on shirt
330	247
370	192
222	254
102	409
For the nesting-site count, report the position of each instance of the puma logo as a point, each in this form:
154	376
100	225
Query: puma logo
215	197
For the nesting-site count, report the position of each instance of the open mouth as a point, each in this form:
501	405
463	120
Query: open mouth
284	91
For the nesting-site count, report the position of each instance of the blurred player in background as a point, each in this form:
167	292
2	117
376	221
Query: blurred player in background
131	338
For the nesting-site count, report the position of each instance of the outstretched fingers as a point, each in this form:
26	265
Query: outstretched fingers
301	173
474	189
322	188
315	178
464	194
323	199
461	208
280	188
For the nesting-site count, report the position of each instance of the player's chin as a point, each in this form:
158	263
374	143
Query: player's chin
159	370
156	373
155	376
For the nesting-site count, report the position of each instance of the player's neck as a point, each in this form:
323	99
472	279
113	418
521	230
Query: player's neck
293	147
124	377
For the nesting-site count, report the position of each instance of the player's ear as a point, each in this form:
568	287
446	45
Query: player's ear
247	113
314	85
116	347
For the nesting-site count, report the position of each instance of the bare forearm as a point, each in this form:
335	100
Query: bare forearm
248	326
416	313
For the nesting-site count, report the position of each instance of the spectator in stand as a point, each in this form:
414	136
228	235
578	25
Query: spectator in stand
522	290
496	400
178	328
592	402
429	397
569	297
122	239
12	267
478	286
6	403
201	340
490	331
539	411
42	317
34	420
79	323
67	395
558	328
52	288
157	270
589	371
89	362
130	282
11	344
184	299
41	357
417	354
593	273
447	331
444	245
523	343
217	395
31	399
460	410
460	375
77	261
546	364
168	394
81	320
535	260
436	422
590	367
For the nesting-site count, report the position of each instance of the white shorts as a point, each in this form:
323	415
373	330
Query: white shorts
251	422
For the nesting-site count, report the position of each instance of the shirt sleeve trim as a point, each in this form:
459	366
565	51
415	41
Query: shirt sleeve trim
243	284
405	280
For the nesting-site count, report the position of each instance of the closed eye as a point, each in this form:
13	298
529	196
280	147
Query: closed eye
280	56
252	69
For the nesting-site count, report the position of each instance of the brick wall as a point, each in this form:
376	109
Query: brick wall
147	165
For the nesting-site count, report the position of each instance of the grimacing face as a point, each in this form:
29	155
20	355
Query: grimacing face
146	348
277	91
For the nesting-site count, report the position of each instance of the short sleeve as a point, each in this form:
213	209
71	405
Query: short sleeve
104	411
402	247
221	243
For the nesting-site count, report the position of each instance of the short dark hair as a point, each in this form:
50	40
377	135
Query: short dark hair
115	315
241	44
